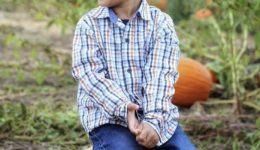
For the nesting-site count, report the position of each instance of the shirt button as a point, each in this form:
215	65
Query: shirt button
107	76
127	40
99	53
128	70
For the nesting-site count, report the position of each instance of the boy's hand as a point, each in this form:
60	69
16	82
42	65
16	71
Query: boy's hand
145	134
133	123
148	136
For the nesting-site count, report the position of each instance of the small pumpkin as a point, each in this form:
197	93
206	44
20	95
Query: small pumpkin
203	14
161	4
194	83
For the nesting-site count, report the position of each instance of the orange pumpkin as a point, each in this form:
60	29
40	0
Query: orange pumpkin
194	84
213	76
203	14
162	4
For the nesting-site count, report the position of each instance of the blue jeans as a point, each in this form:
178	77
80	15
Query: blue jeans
117	137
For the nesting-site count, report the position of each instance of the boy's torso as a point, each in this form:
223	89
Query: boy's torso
125	47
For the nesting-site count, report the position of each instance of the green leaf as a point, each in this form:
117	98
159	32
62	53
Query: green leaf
215	66
20	75
257	40
257	122
39	76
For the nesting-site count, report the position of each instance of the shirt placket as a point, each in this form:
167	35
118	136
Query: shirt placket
126	67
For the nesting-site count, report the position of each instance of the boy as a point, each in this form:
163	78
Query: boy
125	57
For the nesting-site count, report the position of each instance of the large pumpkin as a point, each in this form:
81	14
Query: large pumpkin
162	4
194	84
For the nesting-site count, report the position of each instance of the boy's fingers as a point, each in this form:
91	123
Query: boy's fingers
133	123
148	143
132	128
139	128
152	135
154	142
142	136
152	138
147	138
132	107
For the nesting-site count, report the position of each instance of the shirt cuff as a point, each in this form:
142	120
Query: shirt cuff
121	112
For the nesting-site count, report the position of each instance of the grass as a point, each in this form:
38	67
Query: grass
55	123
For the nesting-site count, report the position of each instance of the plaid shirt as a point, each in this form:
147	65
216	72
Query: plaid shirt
117	64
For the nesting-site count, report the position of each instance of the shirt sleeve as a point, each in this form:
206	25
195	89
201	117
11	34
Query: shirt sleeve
160	76
90	69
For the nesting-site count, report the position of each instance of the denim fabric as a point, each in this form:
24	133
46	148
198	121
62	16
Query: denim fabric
117	137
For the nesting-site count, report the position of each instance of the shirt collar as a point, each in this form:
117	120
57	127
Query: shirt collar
144	10
104	12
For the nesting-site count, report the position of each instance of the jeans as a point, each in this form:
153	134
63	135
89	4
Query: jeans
117	137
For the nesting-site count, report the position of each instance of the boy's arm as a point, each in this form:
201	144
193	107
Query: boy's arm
90	69
160	76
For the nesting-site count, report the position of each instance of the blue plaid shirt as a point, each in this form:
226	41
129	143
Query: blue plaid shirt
116	64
